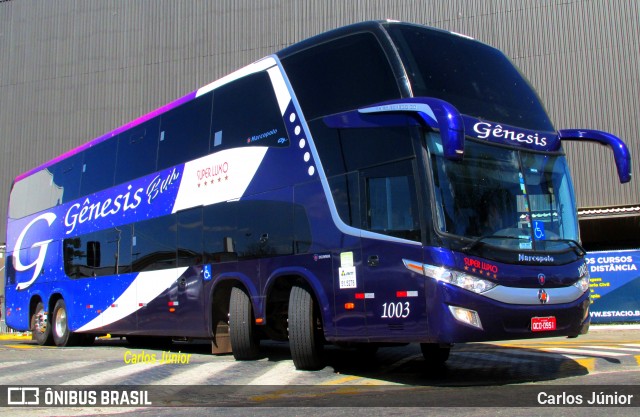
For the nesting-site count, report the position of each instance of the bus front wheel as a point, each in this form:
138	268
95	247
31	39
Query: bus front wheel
40	326
62	336
245	344
305	331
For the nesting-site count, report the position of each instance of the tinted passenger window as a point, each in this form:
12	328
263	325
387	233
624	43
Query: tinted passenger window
220	232
190	237
371	177
348	150
392	206
98	167
301	229
254	229
346	194
267	227
33	194
154	244
341	75
106	252
184	132
66	177
137	151
10	271
246	113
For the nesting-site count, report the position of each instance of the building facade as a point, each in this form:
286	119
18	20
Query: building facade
71	70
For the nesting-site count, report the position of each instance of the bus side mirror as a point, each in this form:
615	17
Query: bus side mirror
435	113
93	254
620	150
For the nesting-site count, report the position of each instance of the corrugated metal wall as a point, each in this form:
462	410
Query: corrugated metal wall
71	70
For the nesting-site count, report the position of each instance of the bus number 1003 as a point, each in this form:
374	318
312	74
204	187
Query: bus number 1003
397	310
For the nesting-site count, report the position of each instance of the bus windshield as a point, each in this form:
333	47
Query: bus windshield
505	197
478	79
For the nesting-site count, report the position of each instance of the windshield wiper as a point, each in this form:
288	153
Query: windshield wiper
477	241
578	249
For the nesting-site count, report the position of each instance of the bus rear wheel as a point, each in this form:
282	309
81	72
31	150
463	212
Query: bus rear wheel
62	336
245	343
41	326
305	331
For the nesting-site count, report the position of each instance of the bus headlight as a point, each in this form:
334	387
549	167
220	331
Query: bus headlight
462	280
583	283
459	279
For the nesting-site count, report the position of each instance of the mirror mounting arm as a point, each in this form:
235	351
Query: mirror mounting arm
620	151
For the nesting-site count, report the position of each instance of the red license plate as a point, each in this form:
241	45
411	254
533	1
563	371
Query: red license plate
543	324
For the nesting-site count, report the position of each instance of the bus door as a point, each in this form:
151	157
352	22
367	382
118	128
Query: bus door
396	300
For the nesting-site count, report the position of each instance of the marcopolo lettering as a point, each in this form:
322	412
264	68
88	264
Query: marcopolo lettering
262	136
535	258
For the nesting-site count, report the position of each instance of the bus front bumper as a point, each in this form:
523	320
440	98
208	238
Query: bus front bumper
464	316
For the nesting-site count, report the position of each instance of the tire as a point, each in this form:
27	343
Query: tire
434	353
245	344
306	340
41	326
62	336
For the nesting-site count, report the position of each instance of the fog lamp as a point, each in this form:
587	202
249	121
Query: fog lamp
466	316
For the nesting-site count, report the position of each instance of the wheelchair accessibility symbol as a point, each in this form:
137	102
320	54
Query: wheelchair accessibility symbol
538	230
206	272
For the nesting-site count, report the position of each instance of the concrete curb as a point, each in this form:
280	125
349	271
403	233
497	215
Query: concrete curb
15	336
601	327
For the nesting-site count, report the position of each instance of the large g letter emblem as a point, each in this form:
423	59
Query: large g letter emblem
42	253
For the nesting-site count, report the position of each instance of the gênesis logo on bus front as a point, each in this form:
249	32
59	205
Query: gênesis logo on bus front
58	396
484	130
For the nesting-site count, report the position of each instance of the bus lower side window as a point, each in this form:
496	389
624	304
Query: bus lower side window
102	253
74	264
301	229
390	204
390	207
154	244
220	232
190	237
10	271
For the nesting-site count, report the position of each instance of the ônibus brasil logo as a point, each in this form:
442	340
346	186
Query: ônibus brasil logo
42	247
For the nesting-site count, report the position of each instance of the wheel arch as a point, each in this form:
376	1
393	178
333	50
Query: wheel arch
278	288
53	299
219	297
33	303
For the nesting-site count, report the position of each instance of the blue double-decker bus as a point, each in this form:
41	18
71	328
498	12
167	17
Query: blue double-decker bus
382	183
